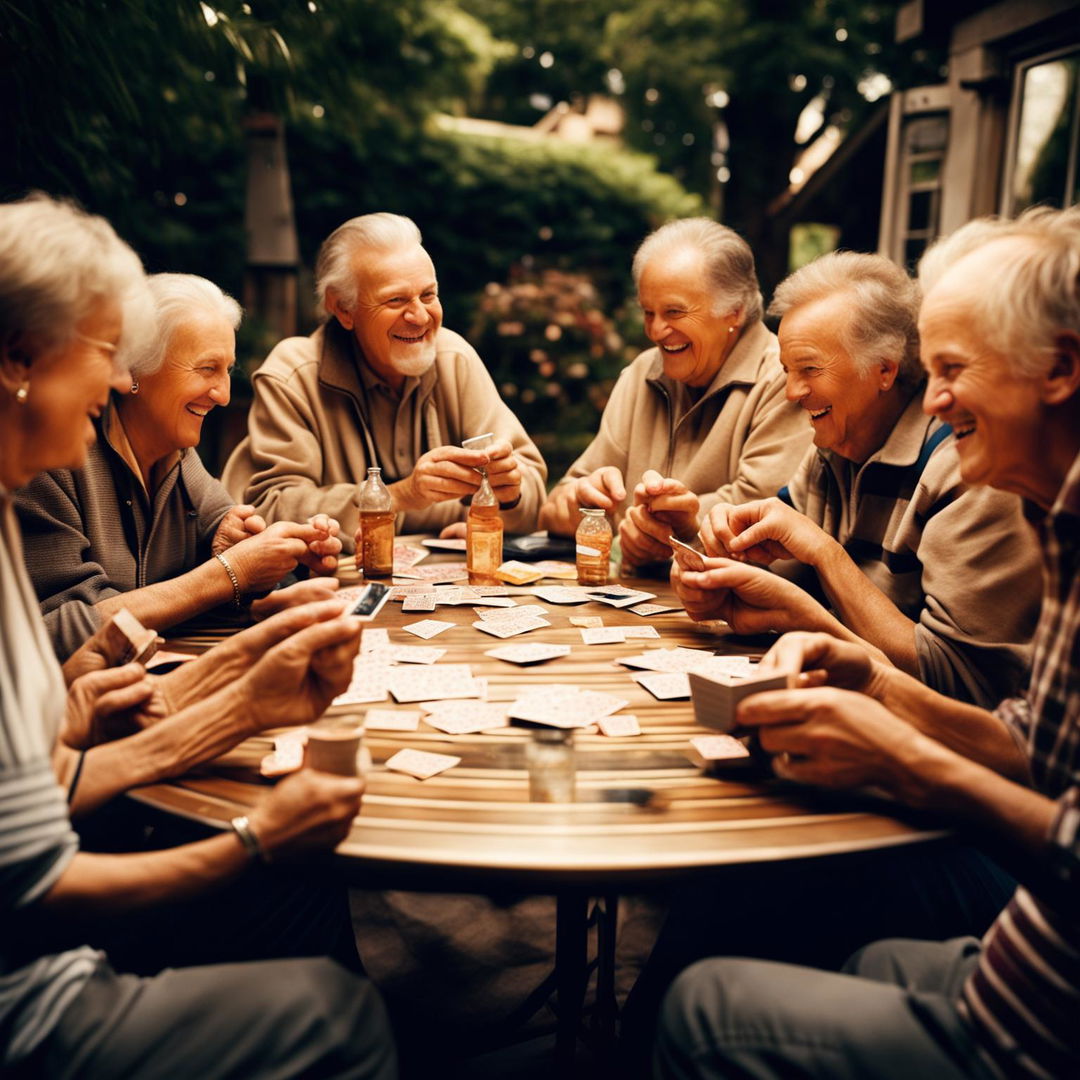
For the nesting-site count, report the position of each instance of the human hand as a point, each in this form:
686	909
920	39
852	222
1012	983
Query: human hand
238	524
749	599
603	488
261	561
322	553
227	662
823	660
456	530
446	472
300	592
296	680
840	739
662	507
307	812
643	537
110	704
559	512
761	532
504	472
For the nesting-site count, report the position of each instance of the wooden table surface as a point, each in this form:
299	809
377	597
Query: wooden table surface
475	823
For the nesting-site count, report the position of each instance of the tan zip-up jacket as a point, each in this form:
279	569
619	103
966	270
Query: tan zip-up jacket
742	440
309	444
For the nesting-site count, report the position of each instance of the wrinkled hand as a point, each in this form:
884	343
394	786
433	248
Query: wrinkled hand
297	679
238	524
824	660
504	472
761	532
99	651
749	599
456	530
603	488
662	507
110	704
447	472
300	592
229	661
322	553
839	739
306	812
261	561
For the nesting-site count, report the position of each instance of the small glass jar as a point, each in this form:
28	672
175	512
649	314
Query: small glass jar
549	757
593	546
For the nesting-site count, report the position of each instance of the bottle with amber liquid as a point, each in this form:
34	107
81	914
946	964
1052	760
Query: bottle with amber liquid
484	535
593	540
376	555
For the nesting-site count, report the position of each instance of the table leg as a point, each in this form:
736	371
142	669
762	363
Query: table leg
571	971
607	1010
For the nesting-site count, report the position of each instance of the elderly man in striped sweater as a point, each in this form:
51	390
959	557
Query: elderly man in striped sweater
1000	333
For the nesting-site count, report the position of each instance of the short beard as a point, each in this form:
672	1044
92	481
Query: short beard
412	360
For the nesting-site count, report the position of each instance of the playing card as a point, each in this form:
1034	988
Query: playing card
518	573
640	632
564	705
687	557
421	764
420	602
288	755
520	611
415	654
619	597
445	545
664	685
406	556
482	716
452	571
391	720
677	659
373	638
493	602
532	653
716	696
562	594
586	621
369	681
717	748
430	683
504	628
646	610
604	635
428	628
622	724
552	568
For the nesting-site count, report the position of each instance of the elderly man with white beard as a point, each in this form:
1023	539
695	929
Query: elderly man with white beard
381	382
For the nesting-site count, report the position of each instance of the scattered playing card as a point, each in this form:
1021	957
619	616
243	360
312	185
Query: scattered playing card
493	602
520	611
480	716
455	571
552	568
430	683
604	635
370	679
288	755
445	545
586	621
518	573
406	555
620	725
664	685
491	590
563	705
641	632
391	720
416	654
421	764
677	659
504	628
428	628
652	609
618	596
374	637
717	748
420	602
532	653
562	594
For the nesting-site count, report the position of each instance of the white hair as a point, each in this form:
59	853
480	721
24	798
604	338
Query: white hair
56	262
729	262
176	298
1033	293
882	318
335	269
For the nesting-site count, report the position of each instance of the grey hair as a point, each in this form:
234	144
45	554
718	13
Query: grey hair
883	317
1034	291
334	267
56	262
729	262
176	298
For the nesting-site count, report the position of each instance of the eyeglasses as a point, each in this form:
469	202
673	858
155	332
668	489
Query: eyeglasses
108	348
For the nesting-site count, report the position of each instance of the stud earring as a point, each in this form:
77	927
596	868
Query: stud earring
135	386
23	393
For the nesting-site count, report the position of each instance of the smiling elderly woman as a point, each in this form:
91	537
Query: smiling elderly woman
705	406
940	576
143	525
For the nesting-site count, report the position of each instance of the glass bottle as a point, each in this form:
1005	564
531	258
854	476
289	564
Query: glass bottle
484	535
376	555
549	757
593	547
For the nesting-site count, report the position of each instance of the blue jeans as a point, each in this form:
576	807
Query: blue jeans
891	1015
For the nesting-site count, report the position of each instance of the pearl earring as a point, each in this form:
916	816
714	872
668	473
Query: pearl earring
135	386
23	393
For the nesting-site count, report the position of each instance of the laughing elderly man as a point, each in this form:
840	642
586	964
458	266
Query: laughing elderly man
380	382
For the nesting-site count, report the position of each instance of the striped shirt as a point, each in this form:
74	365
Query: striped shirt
36	838
960	562
1023	999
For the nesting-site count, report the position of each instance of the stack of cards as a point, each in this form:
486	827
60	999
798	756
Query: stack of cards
716	696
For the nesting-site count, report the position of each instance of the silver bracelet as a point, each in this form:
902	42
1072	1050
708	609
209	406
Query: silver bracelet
242	827
237	595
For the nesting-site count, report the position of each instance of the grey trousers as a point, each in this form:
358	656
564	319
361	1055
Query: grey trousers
267	1020
890	1016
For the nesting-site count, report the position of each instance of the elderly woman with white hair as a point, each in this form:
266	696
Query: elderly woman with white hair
940	576
705	408
143	525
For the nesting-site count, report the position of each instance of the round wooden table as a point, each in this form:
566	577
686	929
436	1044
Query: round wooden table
644	811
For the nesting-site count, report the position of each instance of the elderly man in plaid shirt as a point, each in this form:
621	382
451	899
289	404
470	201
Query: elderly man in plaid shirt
1000	330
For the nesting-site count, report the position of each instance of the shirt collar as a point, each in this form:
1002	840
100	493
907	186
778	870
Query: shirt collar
113	432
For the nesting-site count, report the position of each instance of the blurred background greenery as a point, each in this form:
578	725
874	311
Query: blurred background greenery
461	115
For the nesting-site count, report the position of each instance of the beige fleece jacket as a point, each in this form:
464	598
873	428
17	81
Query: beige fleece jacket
309	444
